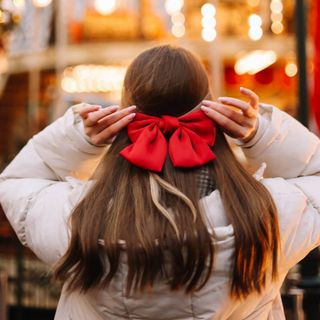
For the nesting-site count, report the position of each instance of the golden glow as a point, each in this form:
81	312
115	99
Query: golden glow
255	34
277	27
178	18
255	21
208	9
208	22
93	78
255	31
178	30
19	3
105	7
276	16
255	62
173	6
41	3
276	6
291	69
209	34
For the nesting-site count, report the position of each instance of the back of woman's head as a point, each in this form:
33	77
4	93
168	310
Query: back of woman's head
165	81
156	219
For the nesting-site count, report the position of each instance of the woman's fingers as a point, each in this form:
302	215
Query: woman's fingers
116	116
102	124
237	118
245	107
84	111
235	115
253	97
93	117
110	131
229	126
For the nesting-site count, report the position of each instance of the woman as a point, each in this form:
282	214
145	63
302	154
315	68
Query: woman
171	226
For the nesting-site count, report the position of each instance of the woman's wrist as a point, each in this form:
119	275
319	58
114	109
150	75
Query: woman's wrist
252	134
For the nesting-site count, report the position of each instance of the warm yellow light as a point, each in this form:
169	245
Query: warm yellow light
255	34
178	18
208	9
173	6
255	20
255	62
178	30
208	34
276	6
105	7
277	27
93	78
291	69
41	3
19	3
253	3
69	85
276	16
208	22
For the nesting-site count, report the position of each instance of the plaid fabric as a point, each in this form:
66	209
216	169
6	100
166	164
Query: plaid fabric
205	181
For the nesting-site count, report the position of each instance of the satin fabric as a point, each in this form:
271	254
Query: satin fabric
187	140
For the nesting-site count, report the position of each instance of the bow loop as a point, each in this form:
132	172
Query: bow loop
189	144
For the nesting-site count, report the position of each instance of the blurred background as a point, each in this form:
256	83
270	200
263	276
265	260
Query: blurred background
54	53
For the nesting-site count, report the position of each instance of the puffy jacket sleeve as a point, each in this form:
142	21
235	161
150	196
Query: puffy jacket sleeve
36	192
286	146
292	155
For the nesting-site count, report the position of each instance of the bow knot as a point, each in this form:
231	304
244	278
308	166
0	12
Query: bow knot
170	124
191	136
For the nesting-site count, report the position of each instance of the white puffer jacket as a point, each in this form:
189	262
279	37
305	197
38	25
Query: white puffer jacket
38	194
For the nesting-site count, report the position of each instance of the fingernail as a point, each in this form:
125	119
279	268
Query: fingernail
113	108
206	101
222	99
205	109
132	107
131	116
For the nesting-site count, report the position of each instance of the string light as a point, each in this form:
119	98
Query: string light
105	7
291	69
93	78
255	27
178	18
178	30
173	6
41	3
276	7
255	62
208	9
208	22
19	3
174	9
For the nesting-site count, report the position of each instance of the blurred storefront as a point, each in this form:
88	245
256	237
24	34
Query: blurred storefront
54	53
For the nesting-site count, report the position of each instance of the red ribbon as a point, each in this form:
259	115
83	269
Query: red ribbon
190	137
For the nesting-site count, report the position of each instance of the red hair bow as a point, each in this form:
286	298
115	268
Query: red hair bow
189	139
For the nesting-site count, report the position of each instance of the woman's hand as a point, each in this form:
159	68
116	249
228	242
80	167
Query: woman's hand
236	118
101	125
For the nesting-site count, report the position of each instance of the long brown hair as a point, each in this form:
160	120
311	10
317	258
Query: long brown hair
156	219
